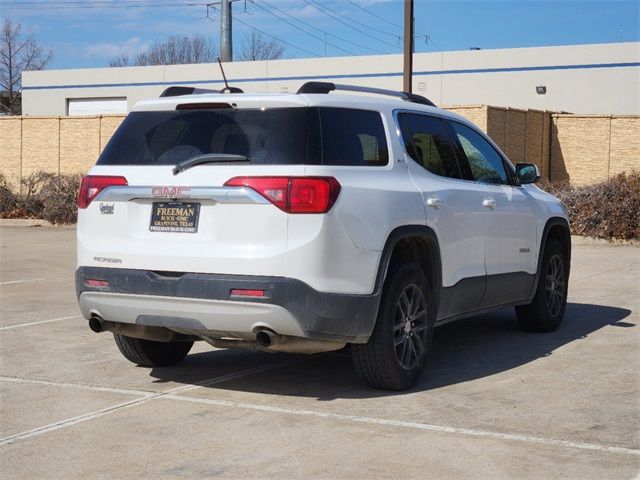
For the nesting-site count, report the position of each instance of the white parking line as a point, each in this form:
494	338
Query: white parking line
94	388
414	425
173	394
23	281
138	401
18	325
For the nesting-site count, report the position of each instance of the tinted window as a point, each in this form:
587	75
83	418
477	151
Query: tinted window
484	161
352	137
427	141
270	136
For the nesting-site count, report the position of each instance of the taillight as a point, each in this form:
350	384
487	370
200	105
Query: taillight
294	194
92	185
244	292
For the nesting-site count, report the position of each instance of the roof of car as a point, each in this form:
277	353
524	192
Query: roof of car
279	100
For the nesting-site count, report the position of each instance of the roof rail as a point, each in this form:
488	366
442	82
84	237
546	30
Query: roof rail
326	87
180	91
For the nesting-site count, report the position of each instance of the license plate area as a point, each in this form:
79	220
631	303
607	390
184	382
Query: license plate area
174	217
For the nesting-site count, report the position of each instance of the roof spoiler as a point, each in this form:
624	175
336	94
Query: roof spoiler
180	91
326	87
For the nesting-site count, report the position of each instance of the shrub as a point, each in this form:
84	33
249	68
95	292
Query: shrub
44	195
7	197
609	209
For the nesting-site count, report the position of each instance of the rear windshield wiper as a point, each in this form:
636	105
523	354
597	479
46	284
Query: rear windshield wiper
208	158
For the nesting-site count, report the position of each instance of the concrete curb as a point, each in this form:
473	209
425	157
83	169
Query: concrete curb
578	240
21	222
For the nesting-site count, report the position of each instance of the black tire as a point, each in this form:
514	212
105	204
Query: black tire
148	353
381	362
545	312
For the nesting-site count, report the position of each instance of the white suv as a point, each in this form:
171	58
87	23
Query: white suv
305	222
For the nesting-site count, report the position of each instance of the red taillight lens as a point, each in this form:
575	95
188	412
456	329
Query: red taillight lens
243	292
294	194
92	185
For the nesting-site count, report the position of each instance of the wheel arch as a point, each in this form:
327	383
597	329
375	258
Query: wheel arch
415	242
555	228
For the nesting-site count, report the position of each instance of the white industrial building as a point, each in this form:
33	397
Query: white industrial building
600	79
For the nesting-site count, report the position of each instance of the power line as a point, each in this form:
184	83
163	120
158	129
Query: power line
92	2
318	29
336	16
275	38
374	15
94	5
303	30
417	34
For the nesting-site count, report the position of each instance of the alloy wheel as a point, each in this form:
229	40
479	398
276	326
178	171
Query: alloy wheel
555	282
410	326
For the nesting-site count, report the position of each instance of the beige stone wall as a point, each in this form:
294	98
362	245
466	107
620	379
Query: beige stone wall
624	153
576	148
589	148
11	149
40	145
79	143
52	144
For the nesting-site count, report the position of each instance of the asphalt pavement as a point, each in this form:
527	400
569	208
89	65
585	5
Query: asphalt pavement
494	402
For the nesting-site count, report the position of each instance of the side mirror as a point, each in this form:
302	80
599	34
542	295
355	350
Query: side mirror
527	173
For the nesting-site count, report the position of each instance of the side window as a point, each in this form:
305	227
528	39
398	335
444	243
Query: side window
428	143
484	161
352	137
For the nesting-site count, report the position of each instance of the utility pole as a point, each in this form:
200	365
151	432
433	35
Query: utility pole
408	46
226	45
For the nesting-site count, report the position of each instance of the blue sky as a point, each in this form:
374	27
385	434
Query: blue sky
89	33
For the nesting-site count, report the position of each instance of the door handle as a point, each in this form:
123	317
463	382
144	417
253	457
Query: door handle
434	202
489	203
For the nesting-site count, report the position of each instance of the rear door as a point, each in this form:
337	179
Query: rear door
453	208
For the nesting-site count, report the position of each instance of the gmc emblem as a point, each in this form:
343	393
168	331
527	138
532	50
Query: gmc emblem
171	192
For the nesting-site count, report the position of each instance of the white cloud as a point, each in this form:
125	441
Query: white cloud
128	47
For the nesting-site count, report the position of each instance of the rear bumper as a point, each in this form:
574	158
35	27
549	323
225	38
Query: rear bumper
203	302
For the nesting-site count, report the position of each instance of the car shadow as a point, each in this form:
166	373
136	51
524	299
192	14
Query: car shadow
462	351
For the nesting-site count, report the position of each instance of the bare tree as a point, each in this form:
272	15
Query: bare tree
259	47
18	53
119	61
172	51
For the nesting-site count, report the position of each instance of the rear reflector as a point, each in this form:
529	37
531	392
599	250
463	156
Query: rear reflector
92	185
243	292
294	194
96	283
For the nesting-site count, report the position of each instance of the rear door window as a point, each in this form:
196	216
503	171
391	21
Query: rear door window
352	137
427	141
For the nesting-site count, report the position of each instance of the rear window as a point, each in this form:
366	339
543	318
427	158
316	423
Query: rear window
274	136
277	136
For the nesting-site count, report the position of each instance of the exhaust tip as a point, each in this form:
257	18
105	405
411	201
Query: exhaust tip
264	338
95	324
